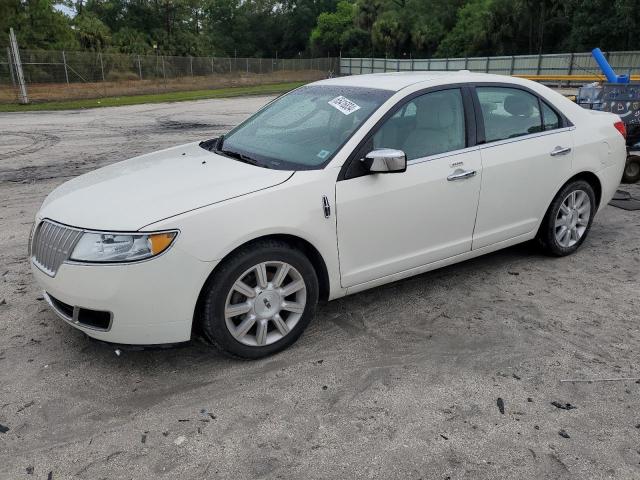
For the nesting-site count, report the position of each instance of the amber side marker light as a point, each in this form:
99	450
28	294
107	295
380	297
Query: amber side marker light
161	241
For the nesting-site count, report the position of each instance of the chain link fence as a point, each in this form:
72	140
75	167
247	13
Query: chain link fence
61	75
550	68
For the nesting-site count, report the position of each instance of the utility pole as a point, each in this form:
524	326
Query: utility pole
17	64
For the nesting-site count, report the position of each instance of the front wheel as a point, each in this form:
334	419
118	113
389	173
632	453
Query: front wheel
260	300
568	219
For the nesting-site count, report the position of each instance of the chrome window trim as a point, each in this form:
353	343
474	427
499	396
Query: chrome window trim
505	141
483	146
76	313
451	153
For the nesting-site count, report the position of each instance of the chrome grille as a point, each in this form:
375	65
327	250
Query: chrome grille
52	245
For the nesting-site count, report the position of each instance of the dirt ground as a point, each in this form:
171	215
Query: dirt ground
405	381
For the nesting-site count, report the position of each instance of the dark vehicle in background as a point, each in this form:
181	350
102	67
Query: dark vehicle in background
620	96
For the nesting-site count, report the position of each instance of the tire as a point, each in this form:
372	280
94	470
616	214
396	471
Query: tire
631	172
557	241
267	326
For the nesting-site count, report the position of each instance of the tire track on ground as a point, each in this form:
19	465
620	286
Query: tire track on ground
39	141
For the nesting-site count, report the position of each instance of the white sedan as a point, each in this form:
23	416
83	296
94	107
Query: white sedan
336	187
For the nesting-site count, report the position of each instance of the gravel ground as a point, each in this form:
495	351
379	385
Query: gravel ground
450	374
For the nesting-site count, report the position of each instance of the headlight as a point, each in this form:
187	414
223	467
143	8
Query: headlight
120	247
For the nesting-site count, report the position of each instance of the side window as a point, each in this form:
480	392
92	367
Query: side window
409	110
551	119
430	124
508	112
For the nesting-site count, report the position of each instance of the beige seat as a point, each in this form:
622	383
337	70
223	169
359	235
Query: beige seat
436	130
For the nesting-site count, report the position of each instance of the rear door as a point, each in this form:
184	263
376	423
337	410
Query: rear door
526	154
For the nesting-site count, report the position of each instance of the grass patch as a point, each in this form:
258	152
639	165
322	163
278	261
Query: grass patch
153	98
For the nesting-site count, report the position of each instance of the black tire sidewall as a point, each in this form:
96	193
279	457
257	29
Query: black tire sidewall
631	178
212	319
548	234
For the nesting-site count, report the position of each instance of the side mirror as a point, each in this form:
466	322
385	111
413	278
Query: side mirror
385	160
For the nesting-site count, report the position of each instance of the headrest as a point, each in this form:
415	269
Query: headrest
518	106
434	112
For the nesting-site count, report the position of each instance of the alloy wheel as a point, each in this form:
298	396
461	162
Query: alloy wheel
265	303
572	218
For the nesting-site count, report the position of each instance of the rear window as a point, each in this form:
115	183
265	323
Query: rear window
508	112
551	118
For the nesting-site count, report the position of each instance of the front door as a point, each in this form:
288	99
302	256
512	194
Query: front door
389	223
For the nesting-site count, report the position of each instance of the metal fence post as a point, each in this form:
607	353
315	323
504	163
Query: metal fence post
17	64
101	65
10	65
191	65
513	63
139	68
211	65
66	72
260	65
571	58
466	63
428	64
446	63
247	65
486	66
164	73
539	64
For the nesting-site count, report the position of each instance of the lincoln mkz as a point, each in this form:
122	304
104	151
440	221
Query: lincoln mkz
336	187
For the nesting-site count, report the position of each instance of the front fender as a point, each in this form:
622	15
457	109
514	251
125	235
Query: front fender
292	208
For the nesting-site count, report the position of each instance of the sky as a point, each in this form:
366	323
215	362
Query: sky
64	9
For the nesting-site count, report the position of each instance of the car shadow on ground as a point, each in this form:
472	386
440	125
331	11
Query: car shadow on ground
388	300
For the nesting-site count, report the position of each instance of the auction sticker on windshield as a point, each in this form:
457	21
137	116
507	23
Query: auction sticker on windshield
345	105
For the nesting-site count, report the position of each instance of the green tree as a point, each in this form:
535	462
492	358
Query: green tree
38	25
327	36
610	25
91	33
129	40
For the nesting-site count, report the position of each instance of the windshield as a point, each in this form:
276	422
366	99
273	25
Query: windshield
303	129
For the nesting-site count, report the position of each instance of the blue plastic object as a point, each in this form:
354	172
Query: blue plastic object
606	68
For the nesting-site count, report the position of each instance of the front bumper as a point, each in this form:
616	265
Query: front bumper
150	302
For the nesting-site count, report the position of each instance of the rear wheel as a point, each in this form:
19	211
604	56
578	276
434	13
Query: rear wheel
568	219
631	172
260	300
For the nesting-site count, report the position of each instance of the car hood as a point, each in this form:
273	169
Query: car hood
128	195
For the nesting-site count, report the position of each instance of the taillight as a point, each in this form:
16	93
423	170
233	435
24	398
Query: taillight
620	126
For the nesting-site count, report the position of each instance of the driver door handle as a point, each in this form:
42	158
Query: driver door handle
460	174
560	151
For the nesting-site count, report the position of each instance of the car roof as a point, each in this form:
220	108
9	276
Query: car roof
396	81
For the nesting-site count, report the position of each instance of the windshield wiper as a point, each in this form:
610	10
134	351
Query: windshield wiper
241	157
215	145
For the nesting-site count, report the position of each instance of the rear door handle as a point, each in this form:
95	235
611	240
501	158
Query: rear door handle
560	151
460	174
